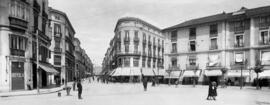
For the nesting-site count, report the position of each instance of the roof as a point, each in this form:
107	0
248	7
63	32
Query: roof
135	19
64	14
224	16
207	19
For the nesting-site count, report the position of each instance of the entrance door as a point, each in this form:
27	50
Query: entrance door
17	75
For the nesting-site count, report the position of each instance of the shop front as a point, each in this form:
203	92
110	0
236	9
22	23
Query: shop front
17	76
189	76
212	75
235	77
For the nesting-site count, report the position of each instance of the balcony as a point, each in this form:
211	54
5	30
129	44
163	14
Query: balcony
59	35
144	54
57	50
174	39
174	51
265	25
237	45
264	42
135	53
18	23
17	52
192	67
149	43
144	41
239	29
126	39
136	40
174	67
213	47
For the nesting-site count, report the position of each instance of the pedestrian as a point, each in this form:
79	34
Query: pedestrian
260	83
74	84
176	83
63	81
212	91
79	86
144	80
153	81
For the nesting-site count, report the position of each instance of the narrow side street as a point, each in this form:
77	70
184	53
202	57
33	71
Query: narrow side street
133	94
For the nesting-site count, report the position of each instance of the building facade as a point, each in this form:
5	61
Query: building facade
84	66
22	23
136	48
220	47
63	49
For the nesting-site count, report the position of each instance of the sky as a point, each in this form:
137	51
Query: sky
94	20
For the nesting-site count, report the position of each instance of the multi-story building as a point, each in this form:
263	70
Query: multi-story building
137	48
62	55
226	45
21	21
84	66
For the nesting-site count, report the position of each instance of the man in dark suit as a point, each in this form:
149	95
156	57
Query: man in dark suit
79	87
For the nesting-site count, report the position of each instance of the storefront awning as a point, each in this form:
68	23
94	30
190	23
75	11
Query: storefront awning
48	68
172	74
237	73
135	72
191	73
264	74
117	72
147	72
212	73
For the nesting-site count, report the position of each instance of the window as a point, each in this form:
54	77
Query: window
126	47
67	47
18	43
136	62
265	57
135	48
174	62
143	62
136	34
192	61
213	44
239	57
264	39
149	63
57	44
57	30
119	62
192	33
239	27
239	40
213	30
174	35
154	63
144	36
19	10
119	47
126	35
192	45
174	47
127	62
57	17
57	60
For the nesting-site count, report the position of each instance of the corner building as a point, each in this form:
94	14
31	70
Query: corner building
222	47
63	49
137	48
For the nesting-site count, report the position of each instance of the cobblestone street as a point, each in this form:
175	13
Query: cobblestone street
133	94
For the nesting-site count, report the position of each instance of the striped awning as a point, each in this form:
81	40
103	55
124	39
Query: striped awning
264	74
237	73
191	73
172	74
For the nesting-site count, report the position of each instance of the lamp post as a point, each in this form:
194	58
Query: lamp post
37	59
241	78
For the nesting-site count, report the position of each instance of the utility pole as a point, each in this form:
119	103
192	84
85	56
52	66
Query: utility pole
241	79
37	60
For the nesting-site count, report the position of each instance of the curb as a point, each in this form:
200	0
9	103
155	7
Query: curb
3	96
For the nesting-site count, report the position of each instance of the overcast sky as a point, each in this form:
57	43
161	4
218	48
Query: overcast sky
95	20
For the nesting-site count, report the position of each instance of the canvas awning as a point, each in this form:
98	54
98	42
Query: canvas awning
237	73
191	73
135	72
212	73
264	74
147	72
172	74
117	72
48	68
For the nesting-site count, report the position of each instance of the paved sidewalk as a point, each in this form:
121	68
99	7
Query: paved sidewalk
34	91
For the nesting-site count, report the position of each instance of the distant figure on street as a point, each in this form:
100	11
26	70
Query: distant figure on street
79	86
260	83
144	80
153	81
212	91
74	84
63	81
